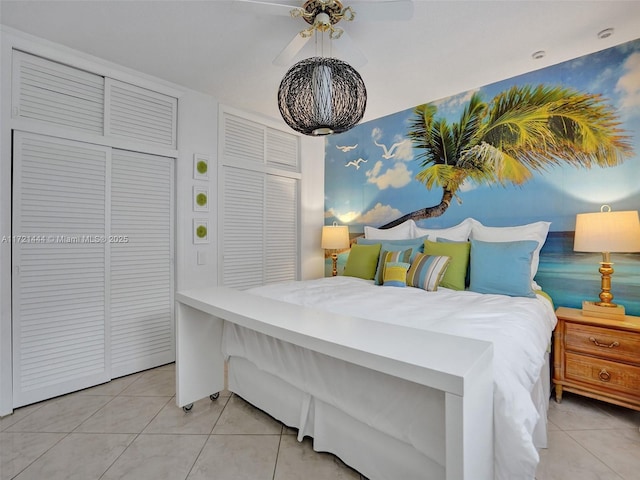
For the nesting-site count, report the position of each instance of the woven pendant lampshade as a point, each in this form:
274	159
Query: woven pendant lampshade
321	95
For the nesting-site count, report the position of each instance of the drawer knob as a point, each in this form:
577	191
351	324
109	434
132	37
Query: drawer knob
604	375
598	344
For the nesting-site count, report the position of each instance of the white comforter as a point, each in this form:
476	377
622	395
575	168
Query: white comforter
519	328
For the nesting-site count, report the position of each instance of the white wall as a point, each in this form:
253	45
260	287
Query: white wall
197	133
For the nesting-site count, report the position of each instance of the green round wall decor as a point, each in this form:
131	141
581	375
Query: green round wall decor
202	167
201	231
201	199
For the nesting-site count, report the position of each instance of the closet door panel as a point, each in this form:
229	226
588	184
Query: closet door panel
140	114
142	324
60	280
57	94
243	200
281	229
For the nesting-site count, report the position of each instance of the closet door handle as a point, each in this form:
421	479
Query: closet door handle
598	344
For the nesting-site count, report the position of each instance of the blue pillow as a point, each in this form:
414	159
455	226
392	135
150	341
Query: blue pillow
503	268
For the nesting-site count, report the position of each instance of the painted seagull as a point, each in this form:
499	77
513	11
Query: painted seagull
346	148
356	163
388	152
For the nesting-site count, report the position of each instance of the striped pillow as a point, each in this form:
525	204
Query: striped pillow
387	256
426	271
395	274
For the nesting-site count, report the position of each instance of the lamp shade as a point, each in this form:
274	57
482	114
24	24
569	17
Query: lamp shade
607	231
335	237
320	96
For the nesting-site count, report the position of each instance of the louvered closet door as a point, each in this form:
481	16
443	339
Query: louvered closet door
142	327
60	307
281	229
242	228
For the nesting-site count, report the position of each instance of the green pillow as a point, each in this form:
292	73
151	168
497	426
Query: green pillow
362	261
456	274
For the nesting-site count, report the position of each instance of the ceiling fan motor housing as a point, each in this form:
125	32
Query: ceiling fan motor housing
333	8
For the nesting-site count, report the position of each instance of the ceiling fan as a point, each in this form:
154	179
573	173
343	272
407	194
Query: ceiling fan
324	15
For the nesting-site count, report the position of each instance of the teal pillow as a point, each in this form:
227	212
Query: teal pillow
390	256
503	268
417	244
395	274
456	274
362	261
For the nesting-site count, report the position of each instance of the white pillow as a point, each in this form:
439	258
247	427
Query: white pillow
403	231
457	233
532	231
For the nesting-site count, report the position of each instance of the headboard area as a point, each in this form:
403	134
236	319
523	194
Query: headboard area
541	147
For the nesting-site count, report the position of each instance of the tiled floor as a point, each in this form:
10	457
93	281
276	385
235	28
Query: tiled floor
130	428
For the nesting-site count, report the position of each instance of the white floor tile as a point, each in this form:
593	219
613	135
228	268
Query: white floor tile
565	459
239	417
62	414
298	460
124	415
221	458
157	457
78	456
18	450
618	449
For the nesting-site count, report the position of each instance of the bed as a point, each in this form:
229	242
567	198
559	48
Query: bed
386	426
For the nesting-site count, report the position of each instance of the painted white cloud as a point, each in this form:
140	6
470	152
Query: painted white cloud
629	85
376	133
379	215
396	176
467	186
344	217
404	150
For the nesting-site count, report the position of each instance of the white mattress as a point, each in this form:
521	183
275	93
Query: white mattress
519	328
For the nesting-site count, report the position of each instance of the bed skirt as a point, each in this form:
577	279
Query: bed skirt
374	454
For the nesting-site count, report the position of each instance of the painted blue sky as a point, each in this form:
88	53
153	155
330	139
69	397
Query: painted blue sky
378	187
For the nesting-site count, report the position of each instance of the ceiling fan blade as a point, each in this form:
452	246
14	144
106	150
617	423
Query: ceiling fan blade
349	51
387	10
290	51
267	8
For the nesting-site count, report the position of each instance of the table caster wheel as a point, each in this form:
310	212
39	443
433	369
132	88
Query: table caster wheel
214	396
187	408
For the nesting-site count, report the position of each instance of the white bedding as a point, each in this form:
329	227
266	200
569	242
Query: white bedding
519	328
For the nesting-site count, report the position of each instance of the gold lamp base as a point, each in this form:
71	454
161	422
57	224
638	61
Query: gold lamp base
605	307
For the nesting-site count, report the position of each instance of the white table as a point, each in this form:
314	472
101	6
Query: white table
460	367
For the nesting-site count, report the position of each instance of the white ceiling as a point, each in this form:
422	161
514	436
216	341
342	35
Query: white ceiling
224	50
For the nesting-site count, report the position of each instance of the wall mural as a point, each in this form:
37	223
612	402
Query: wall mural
541	146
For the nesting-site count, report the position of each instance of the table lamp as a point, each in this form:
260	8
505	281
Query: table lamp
606	232
335	237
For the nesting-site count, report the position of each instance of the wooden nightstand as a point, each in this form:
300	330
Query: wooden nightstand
597	357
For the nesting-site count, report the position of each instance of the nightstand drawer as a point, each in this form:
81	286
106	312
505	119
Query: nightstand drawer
609	375
603	342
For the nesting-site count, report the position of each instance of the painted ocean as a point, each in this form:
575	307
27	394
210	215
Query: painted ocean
571	277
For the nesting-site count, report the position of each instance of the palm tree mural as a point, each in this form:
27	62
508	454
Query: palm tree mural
523	130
